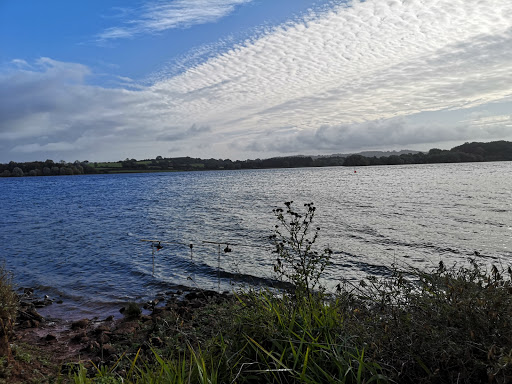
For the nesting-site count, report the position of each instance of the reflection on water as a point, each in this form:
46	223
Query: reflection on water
79	237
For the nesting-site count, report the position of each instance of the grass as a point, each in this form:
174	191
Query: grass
113	164
442	326
8	298
8	310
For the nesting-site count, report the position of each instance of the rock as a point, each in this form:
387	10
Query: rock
30	324
50	337
183	303
151	304
91	347
25	304
108	350
124	331
80	324
183	311
29	314
191	296
110	318
132	311
210	293
126	328
104	339
42	303
101	328
78	338
28	291
158	311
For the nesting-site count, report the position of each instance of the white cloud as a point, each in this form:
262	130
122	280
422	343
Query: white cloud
30	148
158	16
377	59
19	63
353	76
396	133
492	121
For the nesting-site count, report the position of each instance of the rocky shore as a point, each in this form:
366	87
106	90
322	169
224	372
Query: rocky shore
94	341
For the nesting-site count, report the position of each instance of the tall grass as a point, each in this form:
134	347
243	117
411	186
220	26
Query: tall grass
449	325
8	308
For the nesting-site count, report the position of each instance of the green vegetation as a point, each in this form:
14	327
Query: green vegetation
468	152
445	326
297	260
8	309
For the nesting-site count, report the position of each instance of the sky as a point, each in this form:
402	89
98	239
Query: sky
105	80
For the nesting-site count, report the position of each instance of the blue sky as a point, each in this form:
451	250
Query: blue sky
106	80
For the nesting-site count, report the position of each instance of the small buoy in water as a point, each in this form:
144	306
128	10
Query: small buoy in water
355	171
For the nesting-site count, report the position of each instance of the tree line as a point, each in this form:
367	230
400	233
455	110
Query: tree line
45	168
467	152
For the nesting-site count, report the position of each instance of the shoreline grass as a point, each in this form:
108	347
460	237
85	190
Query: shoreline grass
442	326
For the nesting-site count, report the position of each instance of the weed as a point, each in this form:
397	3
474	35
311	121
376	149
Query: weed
297	259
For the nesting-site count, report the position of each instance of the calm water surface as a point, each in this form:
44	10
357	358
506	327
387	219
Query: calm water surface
78	237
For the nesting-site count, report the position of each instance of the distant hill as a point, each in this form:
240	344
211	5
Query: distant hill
372	153
493	151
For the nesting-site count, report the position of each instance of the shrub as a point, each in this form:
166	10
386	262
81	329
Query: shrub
294	240
449	325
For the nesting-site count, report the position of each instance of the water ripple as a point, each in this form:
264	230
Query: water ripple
78	237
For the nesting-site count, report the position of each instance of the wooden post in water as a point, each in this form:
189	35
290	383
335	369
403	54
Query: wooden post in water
153	253
193	264
218	271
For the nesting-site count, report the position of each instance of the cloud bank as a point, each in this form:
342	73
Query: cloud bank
353	77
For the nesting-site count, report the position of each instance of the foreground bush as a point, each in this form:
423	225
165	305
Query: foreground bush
446	326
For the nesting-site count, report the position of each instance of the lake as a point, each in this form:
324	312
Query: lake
78	238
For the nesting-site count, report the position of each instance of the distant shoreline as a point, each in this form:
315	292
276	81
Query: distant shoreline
465	153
